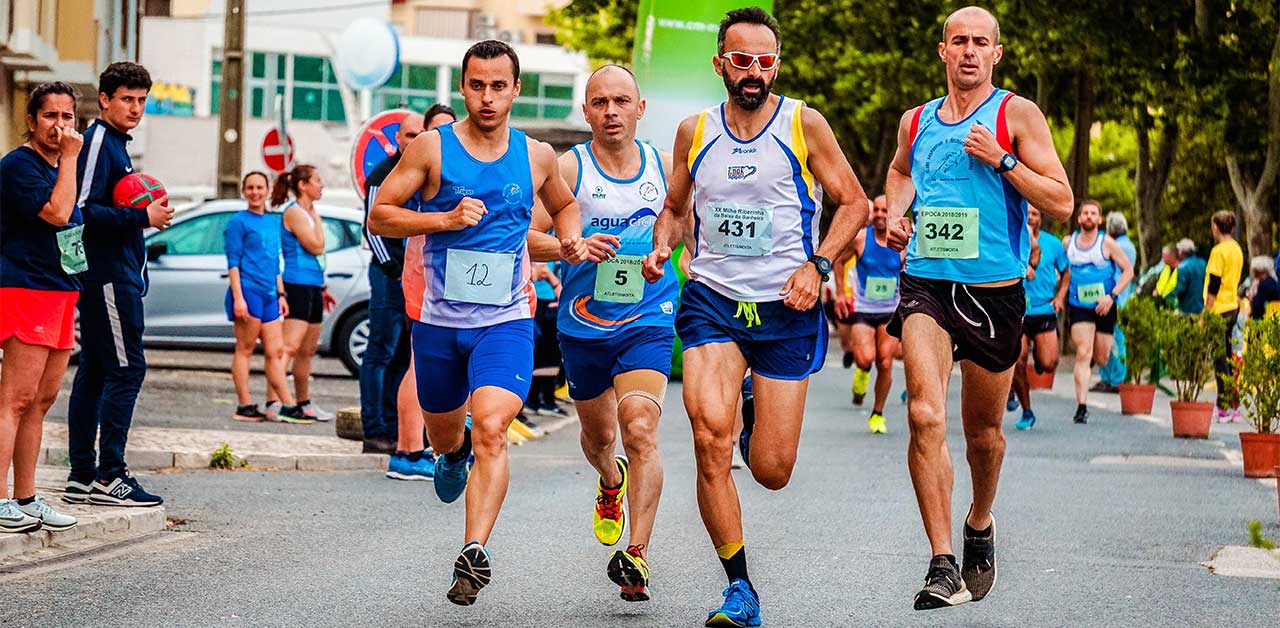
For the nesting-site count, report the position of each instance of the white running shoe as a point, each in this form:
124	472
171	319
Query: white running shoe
316	412
272	411
737	462
13	519
52	519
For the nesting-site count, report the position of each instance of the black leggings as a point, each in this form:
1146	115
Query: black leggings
1222	366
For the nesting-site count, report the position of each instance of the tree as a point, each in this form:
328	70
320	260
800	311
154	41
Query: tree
603	29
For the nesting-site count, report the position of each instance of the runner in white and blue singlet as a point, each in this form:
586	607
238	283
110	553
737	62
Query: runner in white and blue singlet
966	166
466	283
616	329
755	166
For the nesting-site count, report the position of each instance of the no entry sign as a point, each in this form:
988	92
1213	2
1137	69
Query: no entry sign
276	154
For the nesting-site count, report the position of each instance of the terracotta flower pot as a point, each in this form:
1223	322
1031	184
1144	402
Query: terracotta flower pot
1191	419
1039	381
1261	454
1137	398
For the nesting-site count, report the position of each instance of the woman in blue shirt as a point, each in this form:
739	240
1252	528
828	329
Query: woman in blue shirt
255	300
41	254
303	245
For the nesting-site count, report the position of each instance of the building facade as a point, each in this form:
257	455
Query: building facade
515	21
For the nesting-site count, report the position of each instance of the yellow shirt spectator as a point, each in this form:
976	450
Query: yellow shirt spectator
1226	260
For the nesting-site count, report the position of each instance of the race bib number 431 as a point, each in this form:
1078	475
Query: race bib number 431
947	232
479	277
740	229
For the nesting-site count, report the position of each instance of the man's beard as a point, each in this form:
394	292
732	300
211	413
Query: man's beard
741	98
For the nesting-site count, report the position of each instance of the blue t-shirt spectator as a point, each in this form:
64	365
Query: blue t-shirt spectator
1053	262
1126	245
253	245
29	254
1268	293
1190	287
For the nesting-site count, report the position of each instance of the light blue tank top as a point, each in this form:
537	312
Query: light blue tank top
300	267
599	299
881	266
505	186
1091	272
947	178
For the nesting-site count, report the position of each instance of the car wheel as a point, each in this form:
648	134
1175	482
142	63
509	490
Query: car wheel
352	339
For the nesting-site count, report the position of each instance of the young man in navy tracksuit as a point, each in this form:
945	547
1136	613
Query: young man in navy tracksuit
112	365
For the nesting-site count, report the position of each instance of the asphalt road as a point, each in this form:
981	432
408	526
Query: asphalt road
1081	543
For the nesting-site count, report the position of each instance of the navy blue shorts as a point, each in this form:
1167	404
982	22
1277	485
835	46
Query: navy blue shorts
591	364
452	363
264	306
777	341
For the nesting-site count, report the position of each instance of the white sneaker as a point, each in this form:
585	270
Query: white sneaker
13	519
272	410
1235	416
737	462
317	413
52	519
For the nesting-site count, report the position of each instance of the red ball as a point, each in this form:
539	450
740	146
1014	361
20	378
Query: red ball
137	190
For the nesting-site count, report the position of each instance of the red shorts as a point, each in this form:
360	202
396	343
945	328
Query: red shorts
43	318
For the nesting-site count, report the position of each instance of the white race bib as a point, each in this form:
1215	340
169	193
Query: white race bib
479	277
740	229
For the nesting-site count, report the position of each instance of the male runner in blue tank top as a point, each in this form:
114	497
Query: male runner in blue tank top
1094	258
967	165
754	165
466	284
875	297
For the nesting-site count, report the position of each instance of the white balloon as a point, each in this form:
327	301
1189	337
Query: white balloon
368	53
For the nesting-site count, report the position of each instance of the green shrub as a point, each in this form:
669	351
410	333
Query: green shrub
222	458
1260	374
1190	345
1141	319
1256	539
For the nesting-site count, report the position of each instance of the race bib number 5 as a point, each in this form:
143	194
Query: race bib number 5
618	280
479	277
947	232
740	229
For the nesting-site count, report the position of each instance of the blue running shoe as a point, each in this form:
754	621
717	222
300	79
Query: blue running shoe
741	607
471	572
1027	421
748	420
402	468
1012	404
451	477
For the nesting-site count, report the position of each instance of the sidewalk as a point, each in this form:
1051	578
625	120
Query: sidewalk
96	527
153	448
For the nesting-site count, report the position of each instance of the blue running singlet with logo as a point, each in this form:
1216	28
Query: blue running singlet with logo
489	282
1092	274
876	277
600	299
970	221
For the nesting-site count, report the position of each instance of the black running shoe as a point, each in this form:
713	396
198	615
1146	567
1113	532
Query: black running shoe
748	424
1082	415
847	360
471	572
979	563
943	586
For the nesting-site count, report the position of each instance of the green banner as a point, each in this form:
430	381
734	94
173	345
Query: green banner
675	45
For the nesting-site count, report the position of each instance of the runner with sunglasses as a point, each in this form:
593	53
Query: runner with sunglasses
967	165
754	165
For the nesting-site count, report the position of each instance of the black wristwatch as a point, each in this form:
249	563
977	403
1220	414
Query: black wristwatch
823	265
1006	163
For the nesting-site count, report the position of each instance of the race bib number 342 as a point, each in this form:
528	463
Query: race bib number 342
479	277
947	232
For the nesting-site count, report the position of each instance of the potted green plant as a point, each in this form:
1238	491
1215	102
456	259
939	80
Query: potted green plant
1140	319
1260	394
1190	346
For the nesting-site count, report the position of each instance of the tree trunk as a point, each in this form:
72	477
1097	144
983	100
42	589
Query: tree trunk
1078	160
1151	182
1254	196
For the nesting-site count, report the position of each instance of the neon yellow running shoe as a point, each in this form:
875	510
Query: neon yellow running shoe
630	571
876	424
609	518
860	380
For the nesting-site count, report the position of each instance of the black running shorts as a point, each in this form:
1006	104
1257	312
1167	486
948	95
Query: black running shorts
306	303
985	324
1103	324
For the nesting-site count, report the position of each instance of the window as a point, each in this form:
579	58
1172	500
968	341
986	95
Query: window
215	87
157	8
444	23
340	234
199	236
545	38
316	94
412	86
265	80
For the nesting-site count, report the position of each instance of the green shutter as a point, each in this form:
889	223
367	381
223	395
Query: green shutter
306	102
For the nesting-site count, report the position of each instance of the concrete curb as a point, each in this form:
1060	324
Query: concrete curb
151	460
97	526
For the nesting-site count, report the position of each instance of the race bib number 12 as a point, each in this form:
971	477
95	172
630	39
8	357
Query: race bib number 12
947	232
479	277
